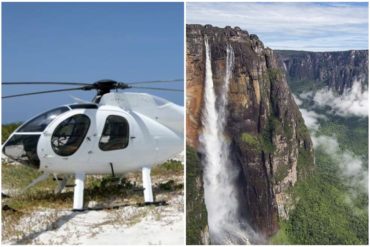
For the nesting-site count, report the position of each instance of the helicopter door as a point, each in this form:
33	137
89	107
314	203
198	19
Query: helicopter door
113	142
67	143
115	134
69	135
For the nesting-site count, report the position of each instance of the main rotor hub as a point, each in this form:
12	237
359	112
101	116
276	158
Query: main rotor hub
105	86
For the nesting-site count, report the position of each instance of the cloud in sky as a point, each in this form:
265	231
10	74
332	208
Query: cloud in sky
293	26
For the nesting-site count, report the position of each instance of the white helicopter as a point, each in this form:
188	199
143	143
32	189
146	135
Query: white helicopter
116	133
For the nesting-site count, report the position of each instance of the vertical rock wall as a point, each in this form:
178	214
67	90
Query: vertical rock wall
269	140
336	70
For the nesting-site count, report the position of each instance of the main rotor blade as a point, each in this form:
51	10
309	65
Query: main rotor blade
158	81
159	89
46	83
41	92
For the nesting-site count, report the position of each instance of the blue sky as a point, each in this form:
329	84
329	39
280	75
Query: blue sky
291	26
86	42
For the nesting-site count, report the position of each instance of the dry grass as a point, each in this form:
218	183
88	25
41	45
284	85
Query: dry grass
41	204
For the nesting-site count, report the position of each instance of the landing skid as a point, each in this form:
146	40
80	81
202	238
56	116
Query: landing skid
7	208
147	184
113	207
3	195
79	186
78	196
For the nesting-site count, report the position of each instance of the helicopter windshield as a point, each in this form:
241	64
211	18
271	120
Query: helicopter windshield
39	123
22	146
23	149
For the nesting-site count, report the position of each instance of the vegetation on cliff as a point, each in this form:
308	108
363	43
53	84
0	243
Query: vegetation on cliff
314	70
323	214
272	145
331	204
264	126
196	212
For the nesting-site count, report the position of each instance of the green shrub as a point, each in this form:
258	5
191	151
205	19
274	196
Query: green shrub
7	130
196	212
250	139
274	74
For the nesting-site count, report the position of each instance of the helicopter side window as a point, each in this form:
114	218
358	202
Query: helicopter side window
115	134
40	122
69	134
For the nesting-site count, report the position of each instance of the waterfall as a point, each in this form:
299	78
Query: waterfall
219	176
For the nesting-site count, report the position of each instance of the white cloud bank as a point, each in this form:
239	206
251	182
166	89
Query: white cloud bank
350	166
293	26
353	102
296	99
311	119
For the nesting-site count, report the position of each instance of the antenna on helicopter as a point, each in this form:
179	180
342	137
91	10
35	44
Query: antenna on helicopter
102	87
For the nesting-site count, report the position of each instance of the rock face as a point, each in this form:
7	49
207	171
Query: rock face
337	70
269	140
196	214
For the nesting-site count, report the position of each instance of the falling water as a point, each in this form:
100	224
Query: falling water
219	176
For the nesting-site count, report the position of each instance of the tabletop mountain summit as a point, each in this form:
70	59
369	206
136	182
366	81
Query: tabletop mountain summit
336	70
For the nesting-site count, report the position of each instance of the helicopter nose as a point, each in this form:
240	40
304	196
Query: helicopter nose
23	149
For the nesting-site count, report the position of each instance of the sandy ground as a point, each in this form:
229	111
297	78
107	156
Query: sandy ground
128	225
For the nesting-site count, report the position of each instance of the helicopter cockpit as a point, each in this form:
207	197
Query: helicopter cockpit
22	144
